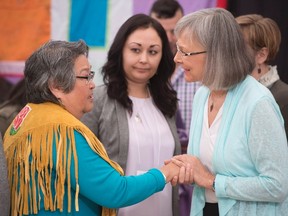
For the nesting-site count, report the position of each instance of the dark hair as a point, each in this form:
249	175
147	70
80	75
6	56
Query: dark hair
5	88
17	96
165	9
52	64
160	87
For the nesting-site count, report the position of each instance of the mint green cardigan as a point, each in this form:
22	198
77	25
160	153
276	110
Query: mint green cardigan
250	157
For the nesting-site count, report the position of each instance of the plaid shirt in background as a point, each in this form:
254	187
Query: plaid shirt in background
185	93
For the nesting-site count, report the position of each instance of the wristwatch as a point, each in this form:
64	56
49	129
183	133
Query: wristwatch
213	185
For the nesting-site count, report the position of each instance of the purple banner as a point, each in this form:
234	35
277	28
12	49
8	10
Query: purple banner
188	5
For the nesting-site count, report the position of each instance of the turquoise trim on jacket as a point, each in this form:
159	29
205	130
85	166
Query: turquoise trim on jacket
250	154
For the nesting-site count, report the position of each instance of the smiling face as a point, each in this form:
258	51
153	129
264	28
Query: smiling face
193	65
80	99
142	54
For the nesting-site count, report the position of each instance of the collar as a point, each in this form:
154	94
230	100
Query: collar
270	77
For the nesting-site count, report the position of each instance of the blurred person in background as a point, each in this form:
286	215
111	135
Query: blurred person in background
4	185
12	106
263	36
168	13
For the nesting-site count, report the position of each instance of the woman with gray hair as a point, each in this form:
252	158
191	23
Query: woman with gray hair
237	152
56	165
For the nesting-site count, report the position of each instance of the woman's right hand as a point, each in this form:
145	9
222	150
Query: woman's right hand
172	172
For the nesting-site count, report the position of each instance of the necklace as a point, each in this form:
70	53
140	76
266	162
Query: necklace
138	116
211	107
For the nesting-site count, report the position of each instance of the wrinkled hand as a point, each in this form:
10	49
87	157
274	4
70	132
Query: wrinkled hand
195	171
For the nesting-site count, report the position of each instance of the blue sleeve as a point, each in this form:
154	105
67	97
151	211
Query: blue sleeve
268	149
102	184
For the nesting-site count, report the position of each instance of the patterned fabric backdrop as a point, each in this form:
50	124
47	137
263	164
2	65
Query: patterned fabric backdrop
27	24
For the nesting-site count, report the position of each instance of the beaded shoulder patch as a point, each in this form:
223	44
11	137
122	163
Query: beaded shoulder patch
19	119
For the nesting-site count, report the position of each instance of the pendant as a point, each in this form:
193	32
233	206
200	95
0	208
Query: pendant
138	118
211	107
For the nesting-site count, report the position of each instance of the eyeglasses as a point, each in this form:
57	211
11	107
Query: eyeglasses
188	53
88	78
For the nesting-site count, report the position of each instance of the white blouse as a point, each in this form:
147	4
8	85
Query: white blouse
208	139
150	143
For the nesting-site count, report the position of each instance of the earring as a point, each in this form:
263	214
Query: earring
259	70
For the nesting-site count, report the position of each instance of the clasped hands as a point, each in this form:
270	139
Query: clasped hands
187	169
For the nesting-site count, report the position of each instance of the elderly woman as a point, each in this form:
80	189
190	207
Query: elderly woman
54	160
237	151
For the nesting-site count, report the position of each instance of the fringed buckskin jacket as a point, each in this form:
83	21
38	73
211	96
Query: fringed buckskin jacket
52	158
